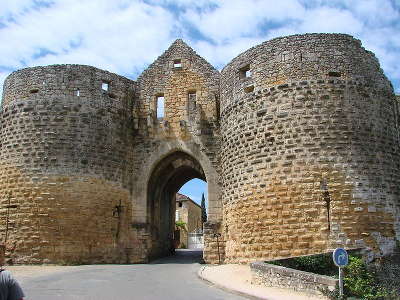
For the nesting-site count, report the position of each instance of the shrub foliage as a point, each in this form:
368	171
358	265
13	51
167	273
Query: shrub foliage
360	281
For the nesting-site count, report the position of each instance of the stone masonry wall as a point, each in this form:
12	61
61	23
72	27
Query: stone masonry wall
189	124
66	162
281	277
301	157
310	150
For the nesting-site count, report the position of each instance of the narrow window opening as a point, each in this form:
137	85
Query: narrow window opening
105	86
177	63
192	100
245	72
34	91
180	204
160	107
218	107
249	89
78	93
327	198
334	74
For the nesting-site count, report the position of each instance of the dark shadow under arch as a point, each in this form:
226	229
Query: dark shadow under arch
169	175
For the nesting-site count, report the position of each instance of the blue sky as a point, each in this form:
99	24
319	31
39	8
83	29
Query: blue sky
125	36
194	189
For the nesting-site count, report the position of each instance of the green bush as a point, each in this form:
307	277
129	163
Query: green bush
180	225
319	264
360	281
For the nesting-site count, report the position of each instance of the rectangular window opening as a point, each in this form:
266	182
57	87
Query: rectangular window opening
334	74
77	92
105	86
249	89
218	107
245	72
177	63
160	107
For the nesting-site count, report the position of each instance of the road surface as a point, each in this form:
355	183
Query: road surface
172	278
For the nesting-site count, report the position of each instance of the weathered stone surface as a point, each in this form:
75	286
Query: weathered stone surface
312	131
66	162
322	138
282	277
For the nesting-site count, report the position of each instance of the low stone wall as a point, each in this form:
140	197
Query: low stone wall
282	277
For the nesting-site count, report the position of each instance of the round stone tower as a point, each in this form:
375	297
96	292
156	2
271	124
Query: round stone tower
65	164
310	150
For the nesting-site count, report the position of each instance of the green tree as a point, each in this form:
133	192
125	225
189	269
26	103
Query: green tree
203	209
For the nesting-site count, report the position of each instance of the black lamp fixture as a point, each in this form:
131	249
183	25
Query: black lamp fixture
327	198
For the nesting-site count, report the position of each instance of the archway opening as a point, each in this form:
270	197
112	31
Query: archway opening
190	214
167	178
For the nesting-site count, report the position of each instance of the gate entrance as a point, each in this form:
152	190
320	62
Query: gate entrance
169	175
195	240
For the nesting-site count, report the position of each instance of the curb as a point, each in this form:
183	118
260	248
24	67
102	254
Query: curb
224	288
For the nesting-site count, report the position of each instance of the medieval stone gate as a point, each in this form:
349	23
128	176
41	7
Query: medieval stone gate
166	176
89	160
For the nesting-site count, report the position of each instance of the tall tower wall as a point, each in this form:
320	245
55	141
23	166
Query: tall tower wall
297	138
66	164
186	137
310	150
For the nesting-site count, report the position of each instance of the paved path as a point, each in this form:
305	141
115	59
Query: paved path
238	278
172	278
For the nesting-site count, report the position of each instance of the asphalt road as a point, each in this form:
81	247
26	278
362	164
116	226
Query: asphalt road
172	278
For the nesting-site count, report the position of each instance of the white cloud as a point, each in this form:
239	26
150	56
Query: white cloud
185	3
14	8
237	25
327	19
3	76
121	36
241	18
124	36
136	31
219	55
375	12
